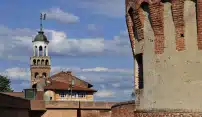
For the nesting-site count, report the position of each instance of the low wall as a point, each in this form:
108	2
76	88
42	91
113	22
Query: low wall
167	113
18	107
79	105
13	106
123	109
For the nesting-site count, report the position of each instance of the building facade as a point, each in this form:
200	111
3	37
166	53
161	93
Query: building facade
62	86
166	42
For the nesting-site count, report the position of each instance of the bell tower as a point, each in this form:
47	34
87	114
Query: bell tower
40	65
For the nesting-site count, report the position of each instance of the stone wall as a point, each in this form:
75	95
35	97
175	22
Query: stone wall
13	106
172	56
167	113
124	109
19	107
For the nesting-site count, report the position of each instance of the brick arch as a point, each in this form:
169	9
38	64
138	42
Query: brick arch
38	62
47	62
36	74
44	74
34	62
42	62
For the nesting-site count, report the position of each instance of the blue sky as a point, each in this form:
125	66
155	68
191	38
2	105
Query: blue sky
88	37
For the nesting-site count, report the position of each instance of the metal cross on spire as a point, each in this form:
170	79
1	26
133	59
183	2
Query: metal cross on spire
42	17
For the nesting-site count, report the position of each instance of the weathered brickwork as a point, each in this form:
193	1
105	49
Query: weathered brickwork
137	16
40	70
131	32
166	114
178	19
125	109
156	14
199	21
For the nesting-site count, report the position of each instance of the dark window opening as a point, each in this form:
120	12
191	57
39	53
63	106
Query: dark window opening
44	75
42	62
34	86
47	63
36	74
139	58
34	62
181	35
40	51
38	62
132	14
51	98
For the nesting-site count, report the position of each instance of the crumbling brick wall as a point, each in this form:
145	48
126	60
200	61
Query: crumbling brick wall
124	109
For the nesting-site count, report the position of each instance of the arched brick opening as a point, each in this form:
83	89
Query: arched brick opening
47	62
38	62
34	62
42	62
139	58
44	75
36	74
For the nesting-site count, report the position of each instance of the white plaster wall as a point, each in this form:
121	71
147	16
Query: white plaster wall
175	82
38	44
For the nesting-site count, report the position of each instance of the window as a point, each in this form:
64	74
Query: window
74	95
82	94
62	95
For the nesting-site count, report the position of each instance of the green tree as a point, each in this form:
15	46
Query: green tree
5	84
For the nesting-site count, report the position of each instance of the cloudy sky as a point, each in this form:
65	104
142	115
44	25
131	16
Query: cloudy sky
88	37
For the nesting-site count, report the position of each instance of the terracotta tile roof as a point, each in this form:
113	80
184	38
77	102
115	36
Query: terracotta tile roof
15	94
65	86
68	74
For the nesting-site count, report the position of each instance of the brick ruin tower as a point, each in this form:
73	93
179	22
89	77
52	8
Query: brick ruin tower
166	40
40	61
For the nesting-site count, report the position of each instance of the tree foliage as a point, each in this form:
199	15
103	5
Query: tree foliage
5	84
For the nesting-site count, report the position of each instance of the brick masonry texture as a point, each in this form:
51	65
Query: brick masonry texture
131	32
170	113
178	19
137	16
124	109
156	14
175	71
199	21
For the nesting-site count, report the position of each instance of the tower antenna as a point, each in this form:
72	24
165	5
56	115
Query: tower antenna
42	17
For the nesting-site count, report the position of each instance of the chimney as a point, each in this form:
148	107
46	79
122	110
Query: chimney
69	72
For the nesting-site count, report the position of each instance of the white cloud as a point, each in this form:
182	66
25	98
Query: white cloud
105	93
116	85
19	44
92	27
103	69
111	8
17	73
107	84
61	16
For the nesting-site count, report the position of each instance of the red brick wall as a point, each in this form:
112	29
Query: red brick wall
137	18
156	14
129	23
178	19
199	20
158	113
13	106
94	113
125	109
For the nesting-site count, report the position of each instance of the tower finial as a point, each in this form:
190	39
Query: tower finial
42	17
